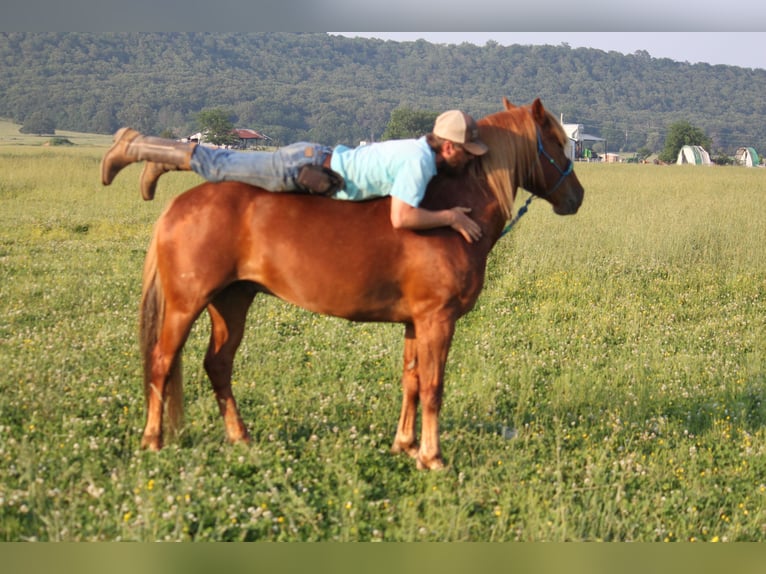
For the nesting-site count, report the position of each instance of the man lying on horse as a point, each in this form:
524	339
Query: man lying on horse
397	168
217	246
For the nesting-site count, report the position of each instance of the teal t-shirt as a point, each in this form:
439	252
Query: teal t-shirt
401	168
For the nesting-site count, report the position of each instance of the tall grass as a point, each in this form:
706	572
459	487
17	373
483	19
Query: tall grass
608	386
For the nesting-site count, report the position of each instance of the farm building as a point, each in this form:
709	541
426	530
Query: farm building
250	138
747	156
693	155
579	141
247	138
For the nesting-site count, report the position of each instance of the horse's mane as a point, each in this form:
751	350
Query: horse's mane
511	136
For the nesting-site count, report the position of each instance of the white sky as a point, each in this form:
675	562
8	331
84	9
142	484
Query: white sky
745	49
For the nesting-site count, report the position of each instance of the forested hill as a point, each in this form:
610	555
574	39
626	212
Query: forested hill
334	89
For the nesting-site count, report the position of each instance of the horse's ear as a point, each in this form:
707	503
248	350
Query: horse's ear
507	104
538	110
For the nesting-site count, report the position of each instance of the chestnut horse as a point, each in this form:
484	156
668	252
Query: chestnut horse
218	245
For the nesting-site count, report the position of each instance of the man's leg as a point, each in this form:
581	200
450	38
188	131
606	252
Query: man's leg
273	171
130	146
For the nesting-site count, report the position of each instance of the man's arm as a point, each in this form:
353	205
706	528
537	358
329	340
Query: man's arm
405	216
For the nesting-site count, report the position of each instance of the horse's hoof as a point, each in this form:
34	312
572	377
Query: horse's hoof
241	439
434	464
411	450
153	443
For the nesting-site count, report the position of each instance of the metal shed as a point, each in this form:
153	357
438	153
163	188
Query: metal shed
747	156
693	155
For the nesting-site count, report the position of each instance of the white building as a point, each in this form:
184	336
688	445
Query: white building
580	142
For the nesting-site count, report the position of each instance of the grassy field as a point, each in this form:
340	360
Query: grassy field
608	386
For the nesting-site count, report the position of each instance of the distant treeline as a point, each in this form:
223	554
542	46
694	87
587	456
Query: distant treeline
333	89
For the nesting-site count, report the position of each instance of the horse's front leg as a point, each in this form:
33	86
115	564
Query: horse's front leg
434	337
405	440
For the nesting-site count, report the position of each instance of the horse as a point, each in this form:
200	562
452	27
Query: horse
218	245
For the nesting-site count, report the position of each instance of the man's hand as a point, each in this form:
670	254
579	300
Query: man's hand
405	216
464	225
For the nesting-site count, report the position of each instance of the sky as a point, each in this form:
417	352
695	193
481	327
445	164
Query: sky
565	17
744	49
700	31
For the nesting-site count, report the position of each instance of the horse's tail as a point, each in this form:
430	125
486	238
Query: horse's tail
152	317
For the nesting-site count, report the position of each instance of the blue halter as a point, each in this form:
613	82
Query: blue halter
563	172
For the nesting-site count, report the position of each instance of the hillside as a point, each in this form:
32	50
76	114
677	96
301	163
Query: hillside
335	89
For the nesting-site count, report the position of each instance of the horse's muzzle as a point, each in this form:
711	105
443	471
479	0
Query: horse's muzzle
571	202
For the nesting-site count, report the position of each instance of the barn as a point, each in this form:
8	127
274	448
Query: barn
693	155
747	156
250	138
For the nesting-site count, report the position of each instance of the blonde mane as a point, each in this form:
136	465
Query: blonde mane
511	136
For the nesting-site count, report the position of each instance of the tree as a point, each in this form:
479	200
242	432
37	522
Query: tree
84	80
408	123
680	134
217	126
643	153
38	123
138	116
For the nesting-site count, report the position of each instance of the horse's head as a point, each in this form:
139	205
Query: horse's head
527	150
555	180
559	184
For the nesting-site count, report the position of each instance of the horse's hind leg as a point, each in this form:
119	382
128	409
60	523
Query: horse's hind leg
163	383
227	314
405	440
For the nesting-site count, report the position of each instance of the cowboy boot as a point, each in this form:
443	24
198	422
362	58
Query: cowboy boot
151	173
130	146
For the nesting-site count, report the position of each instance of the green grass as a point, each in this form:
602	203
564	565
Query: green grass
608	386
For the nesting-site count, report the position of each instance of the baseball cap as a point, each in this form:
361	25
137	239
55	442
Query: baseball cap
459	127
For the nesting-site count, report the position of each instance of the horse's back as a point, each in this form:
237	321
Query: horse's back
329	256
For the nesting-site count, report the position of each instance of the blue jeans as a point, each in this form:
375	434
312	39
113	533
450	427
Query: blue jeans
273	171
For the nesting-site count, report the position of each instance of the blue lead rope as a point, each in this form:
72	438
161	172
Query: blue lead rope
519	215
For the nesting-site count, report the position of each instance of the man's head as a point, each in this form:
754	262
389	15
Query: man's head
460	128
458	136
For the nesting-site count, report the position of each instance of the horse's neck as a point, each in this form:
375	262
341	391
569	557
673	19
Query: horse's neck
471	190
495	218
